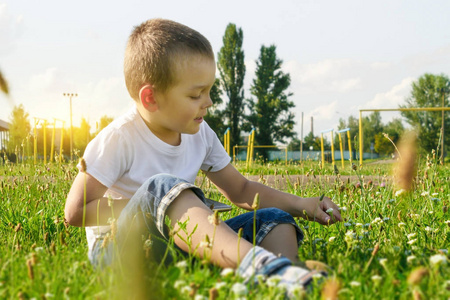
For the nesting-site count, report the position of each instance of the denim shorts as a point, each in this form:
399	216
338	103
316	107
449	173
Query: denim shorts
146	211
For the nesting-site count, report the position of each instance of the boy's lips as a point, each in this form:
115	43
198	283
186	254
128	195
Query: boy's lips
199	119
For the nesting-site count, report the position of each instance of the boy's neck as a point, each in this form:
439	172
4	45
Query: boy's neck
173	139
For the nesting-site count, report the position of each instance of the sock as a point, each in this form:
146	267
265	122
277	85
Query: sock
260	261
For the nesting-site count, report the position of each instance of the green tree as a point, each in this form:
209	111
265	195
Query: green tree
394	130
232	72
313	143
19	127
270	114
428	91
81	136
104	121
215	115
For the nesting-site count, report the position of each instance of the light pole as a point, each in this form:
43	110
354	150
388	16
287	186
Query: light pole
70	95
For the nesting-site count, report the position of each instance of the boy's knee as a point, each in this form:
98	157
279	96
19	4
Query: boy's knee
274	214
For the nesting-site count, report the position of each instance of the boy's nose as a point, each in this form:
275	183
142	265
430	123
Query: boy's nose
208	102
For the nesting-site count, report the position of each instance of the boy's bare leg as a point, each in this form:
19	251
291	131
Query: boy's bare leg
282	240
188	207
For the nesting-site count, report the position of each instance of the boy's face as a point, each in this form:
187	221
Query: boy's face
181	107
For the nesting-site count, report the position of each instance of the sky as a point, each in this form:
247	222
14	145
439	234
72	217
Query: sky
342	56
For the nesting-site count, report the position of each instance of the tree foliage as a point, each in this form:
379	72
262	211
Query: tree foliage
215	115
19	128
81	136
104	121
428	91
269	112
232	72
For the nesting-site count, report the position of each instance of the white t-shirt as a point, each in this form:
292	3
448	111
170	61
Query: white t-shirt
126	153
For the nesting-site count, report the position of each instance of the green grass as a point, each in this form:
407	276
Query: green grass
34	196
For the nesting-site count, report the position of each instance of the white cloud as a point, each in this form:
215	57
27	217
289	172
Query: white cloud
392	98
331	75
324	112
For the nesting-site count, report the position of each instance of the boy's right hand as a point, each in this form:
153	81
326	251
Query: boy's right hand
315	209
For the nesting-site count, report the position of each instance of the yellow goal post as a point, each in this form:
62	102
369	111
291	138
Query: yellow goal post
389	109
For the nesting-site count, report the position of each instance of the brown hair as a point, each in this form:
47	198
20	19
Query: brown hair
153	51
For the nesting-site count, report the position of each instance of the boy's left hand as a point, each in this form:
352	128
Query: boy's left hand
315	209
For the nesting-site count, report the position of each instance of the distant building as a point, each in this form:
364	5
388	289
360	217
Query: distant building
4	134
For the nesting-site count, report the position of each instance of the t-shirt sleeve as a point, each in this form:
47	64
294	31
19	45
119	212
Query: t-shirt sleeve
106	157
216	157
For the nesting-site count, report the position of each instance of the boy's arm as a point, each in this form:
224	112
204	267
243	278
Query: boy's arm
75	202
241	192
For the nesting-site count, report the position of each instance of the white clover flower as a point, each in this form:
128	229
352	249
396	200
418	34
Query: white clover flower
446	222
186	289
401	224
411	258
181	264
377	220
349	236
399	192
383	261
428	228
376	278
436	230
331	239
200	297
411	235
330	210
239	289
415	216
49	295
438	259
343	208
283	286
178	284
412	241
434	194
204	244
226	272
220	285
355	283
424	193
317	275
296	290
273	280
431	212
359	224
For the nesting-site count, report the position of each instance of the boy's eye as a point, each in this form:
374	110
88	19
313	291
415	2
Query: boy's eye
195	97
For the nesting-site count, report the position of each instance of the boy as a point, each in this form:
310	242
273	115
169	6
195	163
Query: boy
147	161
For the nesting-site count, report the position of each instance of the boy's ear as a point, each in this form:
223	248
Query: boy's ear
147	99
